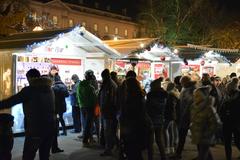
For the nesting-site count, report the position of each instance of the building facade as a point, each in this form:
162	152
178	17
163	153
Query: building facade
104	24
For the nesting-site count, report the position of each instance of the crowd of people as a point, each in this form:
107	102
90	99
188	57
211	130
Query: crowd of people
122	114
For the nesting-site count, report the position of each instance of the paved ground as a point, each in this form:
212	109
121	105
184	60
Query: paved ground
74	151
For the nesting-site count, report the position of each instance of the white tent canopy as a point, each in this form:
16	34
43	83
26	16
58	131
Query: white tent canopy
157	51
78	42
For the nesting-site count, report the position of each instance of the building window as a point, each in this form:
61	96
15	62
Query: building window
95	27
34	15
70	23
106	29
84	24
134	34
108	8
96	5
116	30
55	20
125	32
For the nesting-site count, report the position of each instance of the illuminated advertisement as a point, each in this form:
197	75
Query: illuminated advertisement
67	67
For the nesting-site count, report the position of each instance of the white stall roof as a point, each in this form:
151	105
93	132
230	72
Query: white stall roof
158	51
77	42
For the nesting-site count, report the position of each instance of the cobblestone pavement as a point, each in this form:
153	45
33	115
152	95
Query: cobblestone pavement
73	150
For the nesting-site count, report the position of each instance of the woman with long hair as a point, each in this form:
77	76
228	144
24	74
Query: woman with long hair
136	128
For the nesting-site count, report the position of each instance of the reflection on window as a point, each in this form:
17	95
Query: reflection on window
55	20
7	83
106	29
70	23
116	30
95	27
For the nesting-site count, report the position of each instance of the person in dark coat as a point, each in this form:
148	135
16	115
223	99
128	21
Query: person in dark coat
186	101
39	117
136	126
156	105
6	136
230	117
107	102
60	92
75	106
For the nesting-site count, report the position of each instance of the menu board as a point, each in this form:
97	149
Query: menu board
67	67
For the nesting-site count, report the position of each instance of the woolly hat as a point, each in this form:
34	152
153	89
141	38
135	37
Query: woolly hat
170	86
232	85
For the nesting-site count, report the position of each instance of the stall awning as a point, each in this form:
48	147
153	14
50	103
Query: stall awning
76	42
126	46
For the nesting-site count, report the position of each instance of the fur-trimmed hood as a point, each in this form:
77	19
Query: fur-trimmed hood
42	81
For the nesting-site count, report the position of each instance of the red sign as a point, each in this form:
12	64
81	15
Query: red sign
160	71
61	61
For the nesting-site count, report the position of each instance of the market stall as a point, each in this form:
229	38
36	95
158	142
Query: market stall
72	52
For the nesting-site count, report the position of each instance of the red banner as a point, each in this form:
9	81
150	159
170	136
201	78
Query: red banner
61	61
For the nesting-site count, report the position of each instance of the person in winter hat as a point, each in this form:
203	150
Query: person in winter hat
186	100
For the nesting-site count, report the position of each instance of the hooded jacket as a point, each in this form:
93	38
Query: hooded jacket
86	94
203	122
38	107
186	101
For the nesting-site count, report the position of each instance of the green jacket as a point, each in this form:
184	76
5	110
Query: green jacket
86	95
203	122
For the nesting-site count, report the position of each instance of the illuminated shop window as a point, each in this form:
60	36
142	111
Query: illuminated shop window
95	27
126	32
116	30
106	29
70	23
55	20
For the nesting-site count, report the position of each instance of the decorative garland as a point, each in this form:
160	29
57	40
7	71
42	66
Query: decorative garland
213	49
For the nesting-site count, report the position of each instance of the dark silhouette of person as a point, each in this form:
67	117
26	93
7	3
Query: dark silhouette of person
60	92
156	106
6	136
75	106
107	101
230	117
39	117
136	126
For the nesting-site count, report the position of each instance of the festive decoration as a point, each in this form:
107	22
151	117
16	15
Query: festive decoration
185	61
202	63
162	58
212	49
